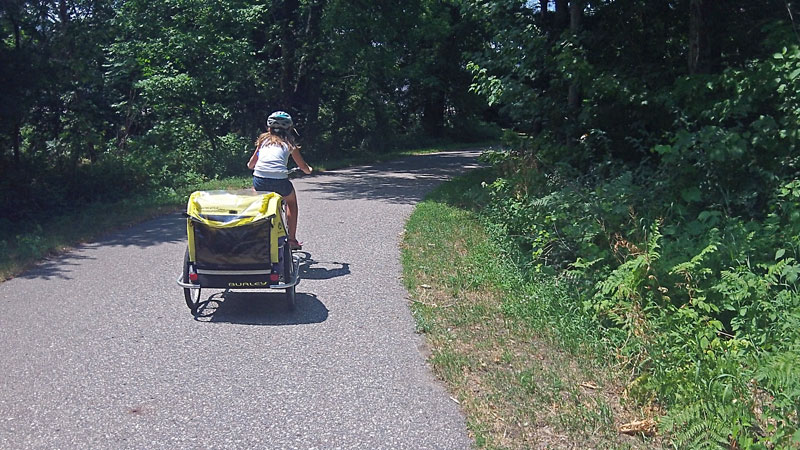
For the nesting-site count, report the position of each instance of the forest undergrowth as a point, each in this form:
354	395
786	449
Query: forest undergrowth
516	351
668	204
689	330
703	313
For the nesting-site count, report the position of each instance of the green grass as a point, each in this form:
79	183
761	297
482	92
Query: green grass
515	352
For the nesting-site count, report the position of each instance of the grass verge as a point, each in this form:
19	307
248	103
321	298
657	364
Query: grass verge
514	352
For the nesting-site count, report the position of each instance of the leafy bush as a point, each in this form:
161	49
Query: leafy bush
687	261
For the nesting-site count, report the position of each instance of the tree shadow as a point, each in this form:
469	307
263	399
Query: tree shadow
161	230
56	267
267	307
404	181
157	231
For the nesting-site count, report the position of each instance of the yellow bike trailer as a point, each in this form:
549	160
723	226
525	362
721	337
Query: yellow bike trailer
237	240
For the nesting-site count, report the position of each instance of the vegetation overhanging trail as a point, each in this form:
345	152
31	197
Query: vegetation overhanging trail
650	156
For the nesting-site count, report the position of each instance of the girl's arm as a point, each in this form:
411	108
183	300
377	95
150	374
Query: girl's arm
301	163
253	159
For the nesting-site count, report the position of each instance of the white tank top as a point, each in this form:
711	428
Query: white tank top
272	160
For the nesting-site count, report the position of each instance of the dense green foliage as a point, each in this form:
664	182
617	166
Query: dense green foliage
652	162
667	193
101	98
513	351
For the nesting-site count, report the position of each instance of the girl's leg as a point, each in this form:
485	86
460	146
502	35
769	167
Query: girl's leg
291	214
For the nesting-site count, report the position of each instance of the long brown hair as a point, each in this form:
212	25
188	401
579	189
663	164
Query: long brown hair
277	136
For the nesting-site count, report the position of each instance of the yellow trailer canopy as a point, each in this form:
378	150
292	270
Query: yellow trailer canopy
230	228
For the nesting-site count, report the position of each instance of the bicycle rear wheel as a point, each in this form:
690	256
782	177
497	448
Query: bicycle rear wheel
192	296
289	276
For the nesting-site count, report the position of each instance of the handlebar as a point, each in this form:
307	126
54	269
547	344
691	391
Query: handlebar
295	172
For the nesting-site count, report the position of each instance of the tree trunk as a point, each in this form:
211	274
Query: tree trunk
16	138
699	39
562	14
16	27
288	43
433	113
63	12
16	143
308	90
575	16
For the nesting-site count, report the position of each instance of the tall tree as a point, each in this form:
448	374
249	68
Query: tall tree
699	55
288	19
307	93
575	17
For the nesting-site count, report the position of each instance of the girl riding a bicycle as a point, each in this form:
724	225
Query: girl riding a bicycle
269	165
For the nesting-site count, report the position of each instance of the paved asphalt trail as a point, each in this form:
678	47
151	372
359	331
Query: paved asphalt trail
100	351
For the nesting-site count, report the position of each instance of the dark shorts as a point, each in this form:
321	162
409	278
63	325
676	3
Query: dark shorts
280	185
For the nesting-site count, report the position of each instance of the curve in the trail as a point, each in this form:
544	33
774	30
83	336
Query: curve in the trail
100	350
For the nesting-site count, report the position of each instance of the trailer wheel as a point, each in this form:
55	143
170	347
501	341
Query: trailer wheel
289	275
192	296
291	301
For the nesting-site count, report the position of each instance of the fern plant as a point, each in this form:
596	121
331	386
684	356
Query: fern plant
705	425
619	296
777	383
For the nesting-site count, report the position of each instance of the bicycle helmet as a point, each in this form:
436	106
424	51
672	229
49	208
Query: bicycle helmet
279	120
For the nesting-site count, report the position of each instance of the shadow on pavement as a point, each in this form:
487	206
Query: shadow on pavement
267	307
404	181
311	269
57	267
168	228
164	229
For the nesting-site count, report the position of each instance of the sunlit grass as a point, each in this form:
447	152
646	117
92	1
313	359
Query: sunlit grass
514	352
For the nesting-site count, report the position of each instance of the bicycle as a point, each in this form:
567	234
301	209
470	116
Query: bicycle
237	240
